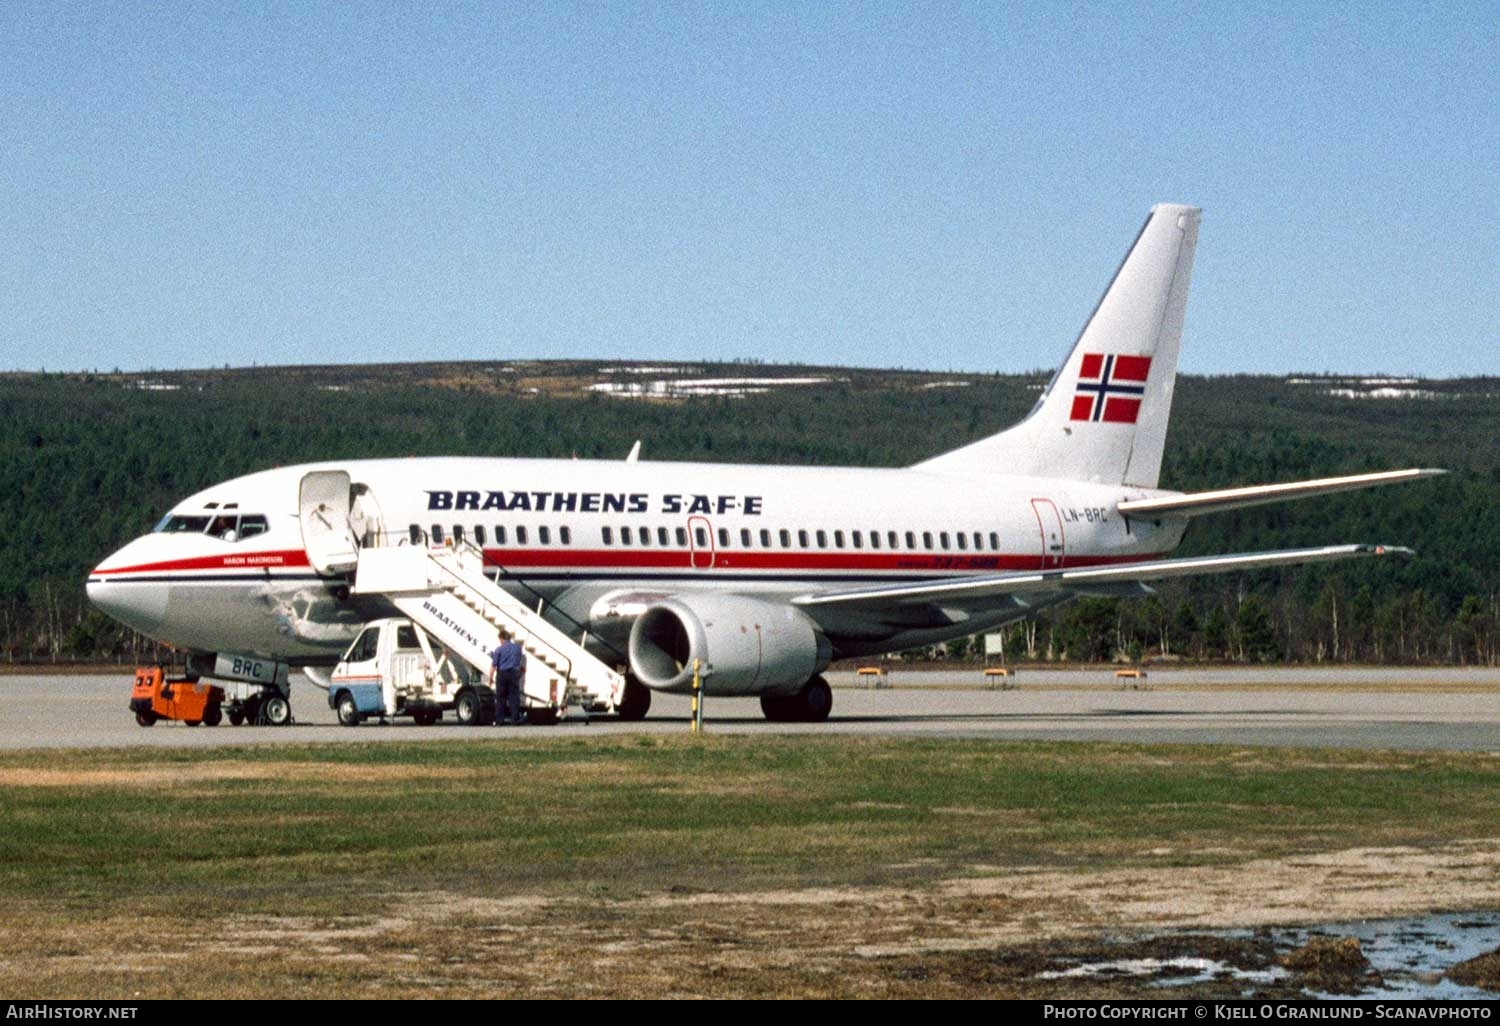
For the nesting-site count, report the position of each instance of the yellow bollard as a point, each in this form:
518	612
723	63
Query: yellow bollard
697	698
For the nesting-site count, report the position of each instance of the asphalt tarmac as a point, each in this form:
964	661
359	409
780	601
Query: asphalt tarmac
1390	708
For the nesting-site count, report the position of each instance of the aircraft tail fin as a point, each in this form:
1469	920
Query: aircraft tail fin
1103	417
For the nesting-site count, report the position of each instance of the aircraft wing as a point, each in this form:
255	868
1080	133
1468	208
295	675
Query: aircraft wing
970	590
1199	503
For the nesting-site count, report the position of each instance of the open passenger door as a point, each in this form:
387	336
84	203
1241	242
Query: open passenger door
323	510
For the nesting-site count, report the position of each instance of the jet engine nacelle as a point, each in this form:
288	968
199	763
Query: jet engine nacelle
744	646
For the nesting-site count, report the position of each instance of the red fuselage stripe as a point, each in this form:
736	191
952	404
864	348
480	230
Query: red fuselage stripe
227	561
788	560
617	559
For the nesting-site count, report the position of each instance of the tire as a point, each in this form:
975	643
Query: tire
213	716
347	709
542	717
811	704
236	717
276	710
635	702
782	708
489	708
425	717
814	701
192	723
467	708
145	719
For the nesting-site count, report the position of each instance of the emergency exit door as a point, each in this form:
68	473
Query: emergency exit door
1049	522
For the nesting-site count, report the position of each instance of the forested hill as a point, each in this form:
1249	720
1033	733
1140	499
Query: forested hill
90	461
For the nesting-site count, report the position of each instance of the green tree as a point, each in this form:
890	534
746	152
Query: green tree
1255	631
1089	630
1186	628
1216	633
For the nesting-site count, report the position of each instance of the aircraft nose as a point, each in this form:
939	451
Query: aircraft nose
135	603
138	604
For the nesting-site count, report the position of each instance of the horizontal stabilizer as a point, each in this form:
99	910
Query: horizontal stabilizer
1199	503
968	589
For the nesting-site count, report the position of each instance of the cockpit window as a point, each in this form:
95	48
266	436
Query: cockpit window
227	526
253	524
174	524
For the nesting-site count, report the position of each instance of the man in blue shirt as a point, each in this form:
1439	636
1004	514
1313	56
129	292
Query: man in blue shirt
507	670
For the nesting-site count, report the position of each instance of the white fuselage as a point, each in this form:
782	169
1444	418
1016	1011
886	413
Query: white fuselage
603	544
596	538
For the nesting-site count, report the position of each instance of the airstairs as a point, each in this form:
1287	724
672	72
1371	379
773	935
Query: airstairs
445	591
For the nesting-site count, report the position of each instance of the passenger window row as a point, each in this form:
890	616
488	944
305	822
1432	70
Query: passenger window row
480	536
766	538
642	536
646	536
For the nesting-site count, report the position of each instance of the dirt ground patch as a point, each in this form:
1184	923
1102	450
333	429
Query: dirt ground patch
1483	971
1006	932
212	772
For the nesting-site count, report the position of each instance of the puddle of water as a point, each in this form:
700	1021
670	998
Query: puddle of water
1412	954
1171	972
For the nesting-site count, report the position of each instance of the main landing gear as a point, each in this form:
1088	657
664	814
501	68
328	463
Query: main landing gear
811	704
635	702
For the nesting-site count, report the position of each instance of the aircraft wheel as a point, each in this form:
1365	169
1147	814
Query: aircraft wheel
814	701
145	719
635	702
777	708
347	709
213	715
276	710
467	708
811	704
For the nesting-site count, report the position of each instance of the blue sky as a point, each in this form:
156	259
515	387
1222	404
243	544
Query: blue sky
914	185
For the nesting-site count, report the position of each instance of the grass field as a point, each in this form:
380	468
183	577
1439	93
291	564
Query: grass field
653	866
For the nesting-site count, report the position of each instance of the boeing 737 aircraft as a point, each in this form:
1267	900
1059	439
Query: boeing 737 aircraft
762	575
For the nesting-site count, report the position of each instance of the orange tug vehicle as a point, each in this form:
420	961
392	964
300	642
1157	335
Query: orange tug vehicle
247	691
157	698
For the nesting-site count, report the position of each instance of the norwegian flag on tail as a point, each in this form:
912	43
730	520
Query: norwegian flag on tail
1110	388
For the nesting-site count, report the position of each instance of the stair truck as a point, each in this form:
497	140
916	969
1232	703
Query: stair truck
446	595
394	669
